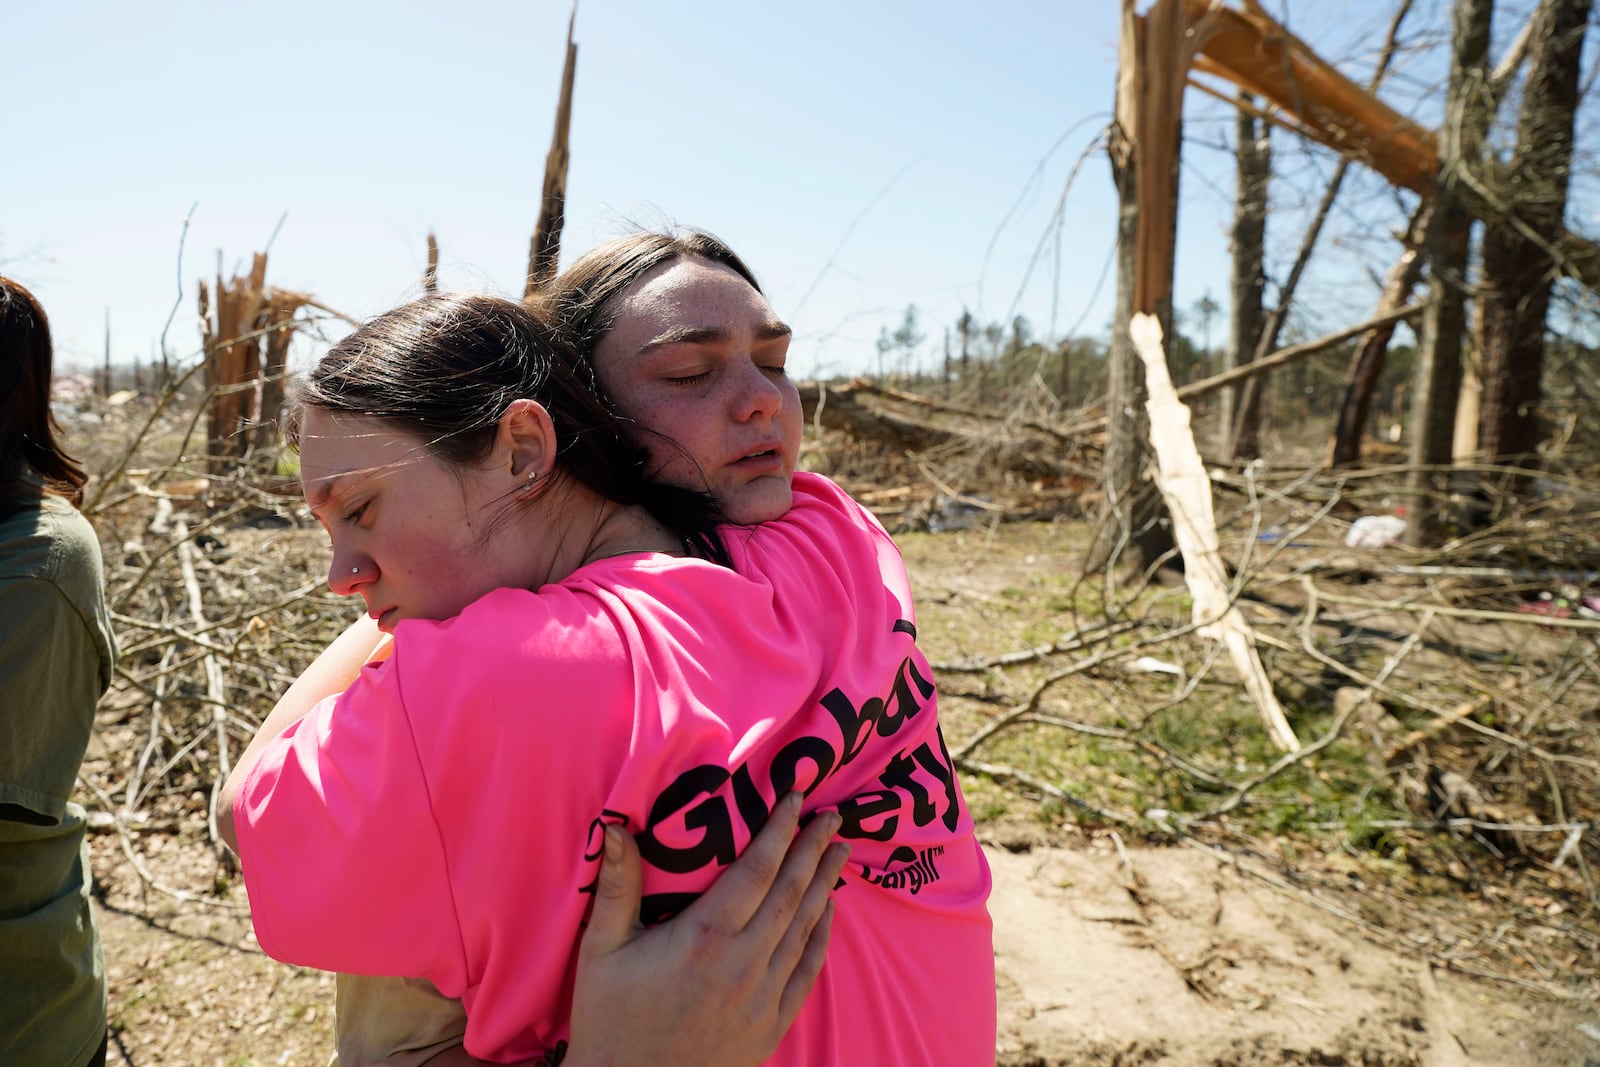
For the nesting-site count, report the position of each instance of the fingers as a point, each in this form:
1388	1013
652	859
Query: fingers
615	918
734	898
802	882
794	935
808	935
804	976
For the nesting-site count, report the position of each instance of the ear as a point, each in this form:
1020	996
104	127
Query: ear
525	442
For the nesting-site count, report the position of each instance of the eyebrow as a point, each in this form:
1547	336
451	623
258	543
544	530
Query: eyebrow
771	330
319	493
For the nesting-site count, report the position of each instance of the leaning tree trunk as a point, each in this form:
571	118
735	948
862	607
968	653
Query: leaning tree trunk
1518	268
1436	384
1367	367
1253	170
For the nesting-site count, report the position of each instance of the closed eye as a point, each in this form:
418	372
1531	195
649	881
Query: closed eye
354	517
690	379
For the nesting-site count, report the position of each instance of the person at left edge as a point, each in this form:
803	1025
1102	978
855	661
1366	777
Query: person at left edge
56	656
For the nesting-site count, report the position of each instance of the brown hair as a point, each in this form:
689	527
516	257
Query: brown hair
580	300
29	445
444	369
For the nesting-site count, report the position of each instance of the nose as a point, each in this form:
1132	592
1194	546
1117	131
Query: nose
755	393
348	572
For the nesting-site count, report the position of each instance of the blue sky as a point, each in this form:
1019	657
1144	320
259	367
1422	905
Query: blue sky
862	156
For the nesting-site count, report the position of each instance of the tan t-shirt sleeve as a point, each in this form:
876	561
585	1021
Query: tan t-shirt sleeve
396	1022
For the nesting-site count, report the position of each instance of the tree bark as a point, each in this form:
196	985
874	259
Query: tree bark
1518	270
1125	509
1249	279
1437	381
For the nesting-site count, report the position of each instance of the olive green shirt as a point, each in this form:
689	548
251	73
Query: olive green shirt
56	654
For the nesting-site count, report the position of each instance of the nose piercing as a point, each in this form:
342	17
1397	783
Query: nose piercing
355	570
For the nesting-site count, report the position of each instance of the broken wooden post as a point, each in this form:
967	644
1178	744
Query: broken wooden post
246	339
430	276
233	360
545	250
1145	142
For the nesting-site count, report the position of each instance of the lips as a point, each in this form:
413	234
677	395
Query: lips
766	457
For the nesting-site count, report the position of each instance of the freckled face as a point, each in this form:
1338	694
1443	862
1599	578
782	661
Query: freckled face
411	533
697	355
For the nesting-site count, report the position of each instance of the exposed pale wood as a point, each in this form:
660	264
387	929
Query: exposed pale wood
246	328
232	359
1145	143
430	277
278	329
1181	477
1161	50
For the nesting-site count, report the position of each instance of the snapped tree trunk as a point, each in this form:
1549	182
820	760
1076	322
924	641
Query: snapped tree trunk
1437	381
1144	151
233	361
1518	268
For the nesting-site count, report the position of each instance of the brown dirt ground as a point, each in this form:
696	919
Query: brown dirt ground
1109	950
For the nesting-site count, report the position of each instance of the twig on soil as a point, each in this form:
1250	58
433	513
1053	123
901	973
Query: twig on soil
216	689
1134	882
1290	759
1437	726
1070	642
124	836
133	790
1001	773
1475	614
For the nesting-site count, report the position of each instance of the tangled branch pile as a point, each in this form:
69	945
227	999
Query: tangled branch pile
1450	713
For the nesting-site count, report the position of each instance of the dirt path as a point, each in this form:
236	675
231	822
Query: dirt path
1153	956
1172	956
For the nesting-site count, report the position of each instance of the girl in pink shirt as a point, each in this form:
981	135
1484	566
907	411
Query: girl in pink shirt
560	664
